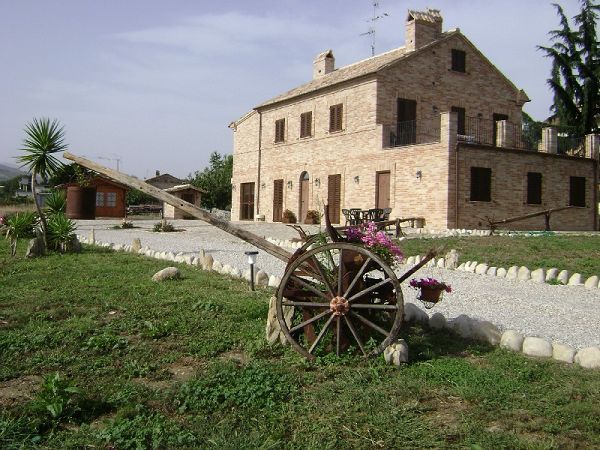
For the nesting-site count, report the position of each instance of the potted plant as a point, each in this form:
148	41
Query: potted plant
432	290
288	217
312	217
377	241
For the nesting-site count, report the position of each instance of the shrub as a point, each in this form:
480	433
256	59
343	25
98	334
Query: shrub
289	217
163	226
61	231
17	226
58	397
312	217
56	203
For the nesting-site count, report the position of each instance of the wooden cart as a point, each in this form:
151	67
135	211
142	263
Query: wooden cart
334	296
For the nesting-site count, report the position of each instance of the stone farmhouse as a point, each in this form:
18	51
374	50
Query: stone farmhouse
432	129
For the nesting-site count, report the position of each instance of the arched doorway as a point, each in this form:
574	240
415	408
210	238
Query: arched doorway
303	196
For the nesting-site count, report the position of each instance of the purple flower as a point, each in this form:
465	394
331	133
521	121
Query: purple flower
376	240
431	283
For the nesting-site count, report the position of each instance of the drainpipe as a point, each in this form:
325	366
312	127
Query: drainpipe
259	161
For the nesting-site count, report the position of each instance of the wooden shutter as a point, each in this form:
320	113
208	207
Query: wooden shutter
459	60
306	124
577	191
335	117
277	200
382	188
334	194
280	130
481	184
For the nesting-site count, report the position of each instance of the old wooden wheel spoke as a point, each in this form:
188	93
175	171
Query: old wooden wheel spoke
368	323
320	336
369	289
357	277
338	334
355	335
374	306
306	304
324	276
340	273
312	288
309	321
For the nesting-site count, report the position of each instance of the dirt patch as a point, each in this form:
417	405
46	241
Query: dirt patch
238	357
184	369
19	390
446	412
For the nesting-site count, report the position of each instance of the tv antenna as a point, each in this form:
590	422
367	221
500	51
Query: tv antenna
116	158
373	21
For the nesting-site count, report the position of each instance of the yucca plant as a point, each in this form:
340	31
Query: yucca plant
17	226
43	138
61	231
56	203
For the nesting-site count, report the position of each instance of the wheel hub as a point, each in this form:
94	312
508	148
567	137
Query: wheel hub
339	306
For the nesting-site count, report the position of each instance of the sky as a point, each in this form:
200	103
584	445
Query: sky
153	85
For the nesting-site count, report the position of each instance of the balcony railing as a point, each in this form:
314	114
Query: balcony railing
413	132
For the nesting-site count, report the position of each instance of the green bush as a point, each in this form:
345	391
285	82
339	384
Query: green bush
61	231
163	226
18	226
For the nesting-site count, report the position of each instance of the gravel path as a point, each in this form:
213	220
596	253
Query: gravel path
565	314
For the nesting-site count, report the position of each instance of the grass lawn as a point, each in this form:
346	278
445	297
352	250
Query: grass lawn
579	254
184	364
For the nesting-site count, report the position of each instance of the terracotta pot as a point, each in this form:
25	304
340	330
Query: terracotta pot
429	294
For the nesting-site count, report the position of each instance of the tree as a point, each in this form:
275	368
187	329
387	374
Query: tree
575	75
216	181
43	139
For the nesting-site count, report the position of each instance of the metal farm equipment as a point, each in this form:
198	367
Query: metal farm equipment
334	296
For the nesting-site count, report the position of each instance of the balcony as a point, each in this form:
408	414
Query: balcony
412	132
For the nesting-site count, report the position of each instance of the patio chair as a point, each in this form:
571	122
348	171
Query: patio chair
355	216
346	214
386	214
376	214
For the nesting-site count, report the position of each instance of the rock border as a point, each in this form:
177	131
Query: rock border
466	326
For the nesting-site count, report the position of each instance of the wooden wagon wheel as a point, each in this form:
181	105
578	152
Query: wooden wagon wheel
344	297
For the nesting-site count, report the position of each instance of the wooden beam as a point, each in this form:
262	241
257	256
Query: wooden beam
177	202
528	216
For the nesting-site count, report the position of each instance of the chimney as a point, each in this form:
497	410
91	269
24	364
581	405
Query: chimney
157	173
422	28
323	64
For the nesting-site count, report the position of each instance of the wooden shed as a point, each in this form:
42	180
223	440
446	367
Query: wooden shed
187	192
110	198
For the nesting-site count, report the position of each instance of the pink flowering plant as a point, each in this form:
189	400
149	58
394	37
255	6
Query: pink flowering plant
430	283
376	241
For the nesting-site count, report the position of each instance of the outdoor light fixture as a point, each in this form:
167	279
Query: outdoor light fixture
435	109
419	174
317	182
263	185
290	184
356	179
251	260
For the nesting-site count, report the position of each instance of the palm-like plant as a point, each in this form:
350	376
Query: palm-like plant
575	76
43	138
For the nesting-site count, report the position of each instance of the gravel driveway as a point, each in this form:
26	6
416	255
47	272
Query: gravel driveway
565	314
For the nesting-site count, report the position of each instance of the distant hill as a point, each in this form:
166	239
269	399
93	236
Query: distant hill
8	172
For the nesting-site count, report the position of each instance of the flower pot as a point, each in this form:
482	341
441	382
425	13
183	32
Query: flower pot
431	295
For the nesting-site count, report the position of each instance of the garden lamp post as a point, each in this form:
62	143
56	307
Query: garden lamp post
251	260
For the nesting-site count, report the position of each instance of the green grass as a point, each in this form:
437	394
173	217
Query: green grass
115	336
579	254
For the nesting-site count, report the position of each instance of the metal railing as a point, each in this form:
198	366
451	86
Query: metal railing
412	132
478	131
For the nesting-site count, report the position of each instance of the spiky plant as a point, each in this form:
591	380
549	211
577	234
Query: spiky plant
61	231
43	139
18	226
56	203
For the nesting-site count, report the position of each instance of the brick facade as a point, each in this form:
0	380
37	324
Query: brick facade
424	177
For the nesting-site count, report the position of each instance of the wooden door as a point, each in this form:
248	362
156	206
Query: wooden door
247	201
277	200
382	190
304	196
334	196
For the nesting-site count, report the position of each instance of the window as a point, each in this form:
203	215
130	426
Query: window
100	199
459	60
460	112
577	191
111	199
335	117
306	124
481	184
534	188
280	130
